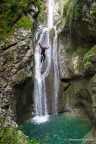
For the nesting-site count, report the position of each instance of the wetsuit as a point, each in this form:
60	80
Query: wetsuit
43	56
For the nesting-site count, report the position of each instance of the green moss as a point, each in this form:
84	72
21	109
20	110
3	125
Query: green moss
60	6
92	51
19	78
81	51
9	134
72	10
93	10
70	91
41	11
77	12
65	41
87	63
87	57
25	22
14	136
80	65
69	51
12	11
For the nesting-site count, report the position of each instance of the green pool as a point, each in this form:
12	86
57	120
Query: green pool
62	129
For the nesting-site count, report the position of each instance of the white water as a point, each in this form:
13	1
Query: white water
51	5
56	73
39	84
40	119
50	13
40	99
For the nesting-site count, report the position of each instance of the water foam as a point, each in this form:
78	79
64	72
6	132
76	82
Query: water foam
40	119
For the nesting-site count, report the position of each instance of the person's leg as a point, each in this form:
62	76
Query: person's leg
44	56
41	55
41	58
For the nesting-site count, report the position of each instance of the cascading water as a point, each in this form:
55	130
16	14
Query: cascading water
56	73
40	98
51	5
50	13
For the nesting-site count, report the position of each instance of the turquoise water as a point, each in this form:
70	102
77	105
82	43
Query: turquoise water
60	129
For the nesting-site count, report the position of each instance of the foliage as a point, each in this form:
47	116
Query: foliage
80	65
88	55
87	62
72	10
60	6
93	10
77	11
12	11
9	133
25	22
12	136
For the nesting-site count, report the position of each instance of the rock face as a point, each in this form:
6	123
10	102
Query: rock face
77	59
16	66
24	100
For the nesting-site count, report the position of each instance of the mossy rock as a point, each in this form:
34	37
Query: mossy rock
93	89
10	133
19	78
93	9
14	136
90	58
60	3
62	96
12	12
72	10
76	65
25	22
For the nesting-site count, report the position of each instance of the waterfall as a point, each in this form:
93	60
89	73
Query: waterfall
40	97
39	89
51	5
50	13
56	73
40	100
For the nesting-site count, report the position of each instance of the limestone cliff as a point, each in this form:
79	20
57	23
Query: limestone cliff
17	57
77	58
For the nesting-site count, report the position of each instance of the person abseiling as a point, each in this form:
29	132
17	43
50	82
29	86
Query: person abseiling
43	48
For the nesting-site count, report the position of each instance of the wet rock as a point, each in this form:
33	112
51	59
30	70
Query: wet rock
63	61
19	77
24	99
84	100
74	65
66	109
93	84
93	93
77	60
16	65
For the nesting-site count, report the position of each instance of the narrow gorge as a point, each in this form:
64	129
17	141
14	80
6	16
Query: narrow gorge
47	72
